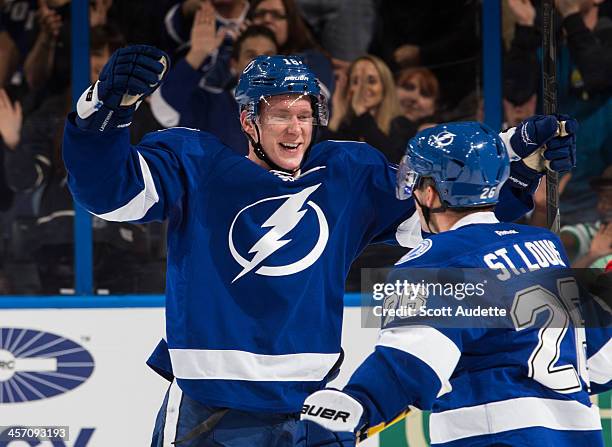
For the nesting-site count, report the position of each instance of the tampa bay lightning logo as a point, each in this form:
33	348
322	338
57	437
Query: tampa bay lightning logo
37	365
416	252
441	140
291	210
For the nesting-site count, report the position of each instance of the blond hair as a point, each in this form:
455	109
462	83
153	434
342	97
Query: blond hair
389	106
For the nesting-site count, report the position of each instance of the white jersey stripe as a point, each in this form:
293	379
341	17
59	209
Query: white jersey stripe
600	364
163	112
243	365
512	414
137	207
175	395
429	345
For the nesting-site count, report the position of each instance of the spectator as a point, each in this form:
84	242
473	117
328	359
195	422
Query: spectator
180	100
33	160
16	36
10	128
293	36
229	14
520	85
48	63
50	47
438	34
418	92
589	244
584	90
230	20
517	108
365	108
343	27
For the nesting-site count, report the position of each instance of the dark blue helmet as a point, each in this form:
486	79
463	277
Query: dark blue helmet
279	75
467	161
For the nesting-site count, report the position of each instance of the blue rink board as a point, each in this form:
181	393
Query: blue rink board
106	301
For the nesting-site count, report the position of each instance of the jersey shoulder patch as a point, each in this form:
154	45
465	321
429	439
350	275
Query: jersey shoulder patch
416	252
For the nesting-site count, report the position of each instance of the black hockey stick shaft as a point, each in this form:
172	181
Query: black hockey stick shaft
549	90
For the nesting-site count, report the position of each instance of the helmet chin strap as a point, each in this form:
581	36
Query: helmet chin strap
261	153
427	212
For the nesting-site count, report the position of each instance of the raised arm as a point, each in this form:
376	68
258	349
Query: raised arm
107	175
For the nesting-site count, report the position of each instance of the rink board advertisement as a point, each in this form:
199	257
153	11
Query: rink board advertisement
84	370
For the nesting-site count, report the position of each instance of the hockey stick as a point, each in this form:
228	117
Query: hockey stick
549	90
371	431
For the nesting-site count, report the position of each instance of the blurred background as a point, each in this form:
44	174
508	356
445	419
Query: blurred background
389	69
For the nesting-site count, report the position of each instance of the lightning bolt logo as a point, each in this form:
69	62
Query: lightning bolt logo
280	223
442	139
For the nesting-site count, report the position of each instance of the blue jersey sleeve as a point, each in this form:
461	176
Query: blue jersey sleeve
513	203
120	182
373	178
411	366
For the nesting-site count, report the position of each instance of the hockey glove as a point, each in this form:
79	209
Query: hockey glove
333	410
317	436
130	74
525	146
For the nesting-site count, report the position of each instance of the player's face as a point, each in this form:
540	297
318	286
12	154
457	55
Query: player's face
286	129
272	15
250	49
365	85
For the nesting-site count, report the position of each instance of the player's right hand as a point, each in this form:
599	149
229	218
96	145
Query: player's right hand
130	74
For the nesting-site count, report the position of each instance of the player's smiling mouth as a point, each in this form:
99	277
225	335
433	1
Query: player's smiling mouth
290	146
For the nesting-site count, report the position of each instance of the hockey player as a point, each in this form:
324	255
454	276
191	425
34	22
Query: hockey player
258	246
520	381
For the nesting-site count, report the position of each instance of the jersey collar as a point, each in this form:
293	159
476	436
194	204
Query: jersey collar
482	217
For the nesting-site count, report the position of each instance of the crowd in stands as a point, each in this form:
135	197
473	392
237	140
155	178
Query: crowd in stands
388	68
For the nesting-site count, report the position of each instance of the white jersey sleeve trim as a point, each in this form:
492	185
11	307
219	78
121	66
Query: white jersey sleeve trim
139	206
427	344
243	365
600	364
162	111
512	414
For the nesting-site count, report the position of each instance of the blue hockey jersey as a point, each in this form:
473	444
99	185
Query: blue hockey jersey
520	378
256	260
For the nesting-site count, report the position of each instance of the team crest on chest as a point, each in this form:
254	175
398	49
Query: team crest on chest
282	220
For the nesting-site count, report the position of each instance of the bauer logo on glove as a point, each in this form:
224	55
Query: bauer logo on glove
333	410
